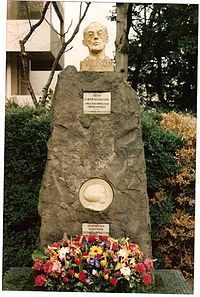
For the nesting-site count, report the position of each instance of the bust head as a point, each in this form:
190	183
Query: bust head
95	193
95	37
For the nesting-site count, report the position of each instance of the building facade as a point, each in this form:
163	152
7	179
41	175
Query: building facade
41	48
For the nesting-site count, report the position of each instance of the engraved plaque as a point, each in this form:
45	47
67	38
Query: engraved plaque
96	194
96	102
95	229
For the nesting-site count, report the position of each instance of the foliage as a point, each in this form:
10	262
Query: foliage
169	142
163	54
26	133
93	264
178	237
160	146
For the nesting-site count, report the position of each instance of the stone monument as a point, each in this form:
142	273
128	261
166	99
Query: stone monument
95	180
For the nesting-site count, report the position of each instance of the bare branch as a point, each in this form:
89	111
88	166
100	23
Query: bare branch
24	58
69	49
27	11
68	28
33	27
24	55
80	10
62	50
52	27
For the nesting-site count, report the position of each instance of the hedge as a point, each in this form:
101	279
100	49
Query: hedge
27	132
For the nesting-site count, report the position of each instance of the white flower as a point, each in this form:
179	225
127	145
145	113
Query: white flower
56	266
63	251
125	270
122	253
94	272
133	262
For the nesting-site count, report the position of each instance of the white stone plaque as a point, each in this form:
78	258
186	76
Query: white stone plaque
96	102
95	229
96	194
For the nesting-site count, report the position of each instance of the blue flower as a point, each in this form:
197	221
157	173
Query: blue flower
97	264
91	261
102	243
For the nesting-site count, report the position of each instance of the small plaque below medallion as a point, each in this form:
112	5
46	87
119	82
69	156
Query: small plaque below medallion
96	102
95	229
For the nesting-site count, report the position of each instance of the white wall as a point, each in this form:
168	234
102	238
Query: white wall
39	79
16	30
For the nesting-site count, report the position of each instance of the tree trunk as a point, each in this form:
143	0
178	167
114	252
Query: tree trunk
124	18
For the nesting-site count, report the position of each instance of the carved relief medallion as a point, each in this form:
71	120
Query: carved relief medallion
96	194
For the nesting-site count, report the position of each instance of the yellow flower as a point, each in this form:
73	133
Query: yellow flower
103	263
118	266
76	275
95	250
106	276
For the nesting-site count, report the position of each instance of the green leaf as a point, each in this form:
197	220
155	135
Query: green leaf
38	255
66	264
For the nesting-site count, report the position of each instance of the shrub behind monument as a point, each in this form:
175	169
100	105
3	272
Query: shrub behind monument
26	133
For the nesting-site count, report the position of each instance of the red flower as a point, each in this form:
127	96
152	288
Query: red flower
78	261
37	264
118	273
132	246
55	244
82	276
65	279
48	267
140	268
148	264
84	253
106	271
147	279
113	281
91	238
103	237
71	272
115	246
77	243
39	281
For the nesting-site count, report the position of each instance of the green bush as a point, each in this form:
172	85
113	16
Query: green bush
26	133
160	146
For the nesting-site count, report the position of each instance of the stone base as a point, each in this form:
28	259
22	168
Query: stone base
167	281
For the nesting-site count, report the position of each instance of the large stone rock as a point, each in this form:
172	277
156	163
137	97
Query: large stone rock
84	146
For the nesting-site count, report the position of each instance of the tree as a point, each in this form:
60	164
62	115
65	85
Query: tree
65	43
163	54
123	18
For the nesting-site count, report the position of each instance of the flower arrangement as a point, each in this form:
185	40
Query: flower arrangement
93	264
